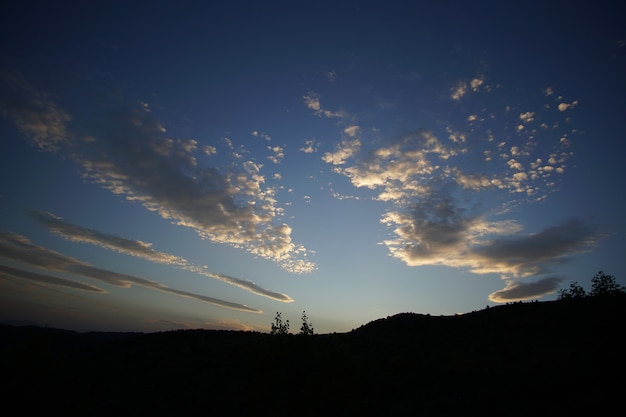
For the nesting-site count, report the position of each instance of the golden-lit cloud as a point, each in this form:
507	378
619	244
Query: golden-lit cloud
463	87
566	106
347	148
519	290
129	154
278	153
312	101
310	146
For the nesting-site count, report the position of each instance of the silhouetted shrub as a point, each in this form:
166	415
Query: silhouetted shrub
306	328
279	326
574	291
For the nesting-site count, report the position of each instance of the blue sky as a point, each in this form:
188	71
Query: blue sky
206	165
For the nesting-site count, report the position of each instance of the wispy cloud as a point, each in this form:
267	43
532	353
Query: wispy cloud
331	76
143	250
124	148
17	248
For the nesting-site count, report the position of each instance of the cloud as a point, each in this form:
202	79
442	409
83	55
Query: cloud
312	102
209	150
532	254
261	135
17	248
400	170
351	131
520	291
227	324
476	83
7	271
34	114
440	181
527	117
80	234
477	181
310	146
278	154
436	231
343	152
123	148
220	324
143	250
459	90
331	76
463	87
567	106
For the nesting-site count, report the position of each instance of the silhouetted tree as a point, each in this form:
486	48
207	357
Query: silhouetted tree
603	284
307	328
574	291
279	326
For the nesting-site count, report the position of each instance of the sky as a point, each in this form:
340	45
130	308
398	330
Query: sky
173	165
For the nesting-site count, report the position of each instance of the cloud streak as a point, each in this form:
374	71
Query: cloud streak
15	273
143	250
520	291
17	248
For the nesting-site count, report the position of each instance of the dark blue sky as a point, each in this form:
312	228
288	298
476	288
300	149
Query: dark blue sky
205	164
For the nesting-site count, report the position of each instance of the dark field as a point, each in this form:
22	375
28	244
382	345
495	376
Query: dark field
555	358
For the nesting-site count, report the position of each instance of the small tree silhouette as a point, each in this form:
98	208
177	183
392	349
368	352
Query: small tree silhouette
307	328
279	326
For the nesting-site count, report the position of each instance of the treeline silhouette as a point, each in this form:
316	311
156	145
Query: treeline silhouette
556	358
602	286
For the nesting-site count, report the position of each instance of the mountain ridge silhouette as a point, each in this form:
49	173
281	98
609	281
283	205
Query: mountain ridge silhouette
537	358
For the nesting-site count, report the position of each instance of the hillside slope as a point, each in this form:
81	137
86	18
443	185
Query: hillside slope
550	358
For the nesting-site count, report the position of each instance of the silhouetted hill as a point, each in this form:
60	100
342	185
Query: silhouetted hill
548	358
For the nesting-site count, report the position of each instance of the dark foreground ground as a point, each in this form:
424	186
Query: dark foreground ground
558	358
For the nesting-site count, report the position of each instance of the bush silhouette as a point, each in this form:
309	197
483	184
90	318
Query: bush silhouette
574	291
307	328
279	326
